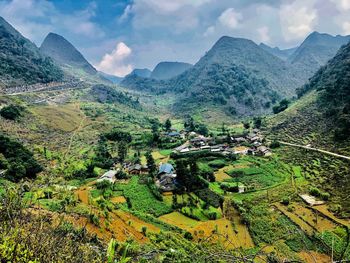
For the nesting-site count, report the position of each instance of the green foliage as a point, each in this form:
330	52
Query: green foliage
117	135
19	160
12	112
210	197
167	125
107	94
141	199
151	164
188	175
103	158
36	237
334	94
21	61
283	105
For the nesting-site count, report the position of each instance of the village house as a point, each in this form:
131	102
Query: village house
137	169
166	177
108	176
263	151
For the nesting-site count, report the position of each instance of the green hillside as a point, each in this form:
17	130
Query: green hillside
322	114
21	62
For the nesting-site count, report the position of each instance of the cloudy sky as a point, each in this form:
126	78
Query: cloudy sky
119	35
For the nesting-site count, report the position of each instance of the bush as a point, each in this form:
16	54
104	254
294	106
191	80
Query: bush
20	161
285	201
12	112
188	235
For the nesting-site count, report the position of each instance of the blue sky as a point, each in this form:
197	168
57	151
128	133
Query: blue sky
119	35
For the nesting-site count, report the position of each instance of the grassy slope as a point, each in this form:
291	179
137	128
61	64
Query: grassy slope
303	123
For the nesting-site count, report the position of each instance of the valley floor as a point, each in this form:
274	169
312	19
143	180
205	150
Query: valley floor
269	221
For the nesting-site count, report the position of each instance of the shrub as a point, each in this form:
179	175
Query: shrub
188	235
12	112
285	201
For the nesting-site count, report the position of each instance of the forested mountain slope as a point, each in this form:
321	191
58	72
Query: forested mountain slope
21	62
315	52
322	114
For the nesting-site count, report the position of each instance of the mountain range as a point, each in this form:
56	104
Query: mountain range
243	78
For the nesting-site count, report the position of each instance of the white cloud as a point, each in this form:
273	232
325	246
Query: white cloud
342	5
230	18
210	30
297	19
264	34
177	16
346	28
35	18
115	62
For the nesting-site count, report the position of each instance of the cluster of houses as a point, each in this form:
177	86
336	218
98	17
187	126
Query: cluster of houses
166	178
251	144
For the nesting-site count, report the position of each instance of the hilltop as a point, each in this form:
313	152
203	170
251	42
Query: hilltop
315	51
70	59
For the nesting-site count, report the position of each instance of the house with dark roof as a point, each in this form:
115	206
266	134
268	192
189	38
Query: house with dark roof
166	177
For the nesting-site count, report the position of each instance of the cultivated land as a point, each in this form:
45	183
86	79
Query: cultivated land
269	213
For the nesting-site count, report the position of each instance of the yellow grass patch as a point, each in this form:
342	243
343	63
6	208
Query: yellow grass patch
66	117
221	174
221	231
179	220
159	157
316	220
324	210
118	200
312	257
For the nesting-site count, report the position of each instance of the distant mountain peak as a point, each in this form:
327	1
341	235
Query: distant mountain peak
169	69
141	72
62	51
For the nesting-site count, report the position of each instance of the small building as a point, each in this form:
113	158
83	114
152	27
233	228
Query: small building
241	188
108	176
311	200
263	151
185	150
166	175
240	140
174	134
138	169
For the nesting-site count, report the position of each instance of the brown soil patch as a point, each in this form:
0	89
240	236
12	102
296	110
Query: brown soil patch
314	257
118	200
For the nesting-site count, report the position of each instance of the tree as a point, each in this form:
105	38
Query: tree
189	124
122	150
257	122
151	164
202	129
103	158
118	136
167	125
283	105
246	125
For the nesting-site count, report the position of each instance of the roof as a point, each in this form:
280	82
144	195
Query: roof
109	174
174	134
166	168
135	167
